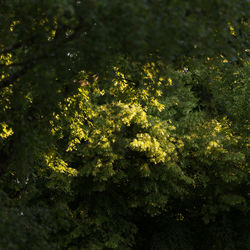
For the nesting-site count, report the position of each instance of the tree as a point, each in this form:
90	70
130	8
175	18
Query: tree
124	124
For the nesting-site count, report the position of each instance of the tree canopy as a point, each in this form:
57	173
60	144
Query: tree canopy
124	124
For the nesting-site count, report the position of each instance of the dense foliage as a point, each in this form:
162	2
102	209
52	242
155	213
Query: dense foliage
124	124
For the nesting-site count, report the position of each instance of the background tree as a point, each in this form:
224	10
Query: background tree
124	125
